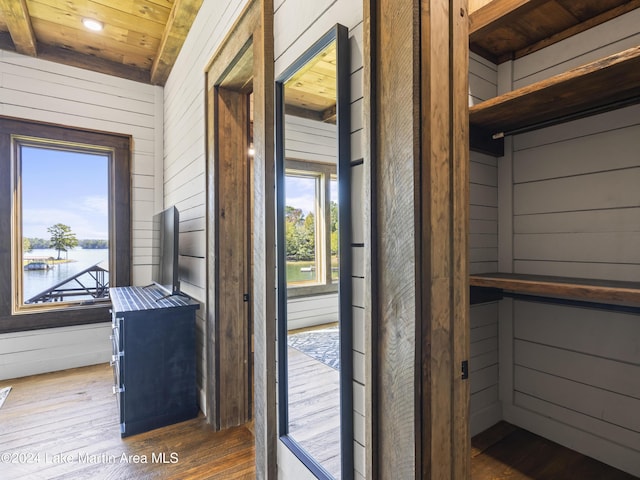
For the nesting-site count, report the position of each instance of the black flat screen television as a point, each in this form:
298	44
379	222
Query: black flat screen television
164	272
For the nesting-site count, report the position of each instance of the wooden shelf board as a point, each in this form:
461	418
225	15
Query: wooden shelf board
506	29
590	290
607	81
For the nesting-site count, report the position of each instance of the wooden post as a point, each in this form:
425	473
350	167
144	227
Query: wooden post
264	248
421	198
251	35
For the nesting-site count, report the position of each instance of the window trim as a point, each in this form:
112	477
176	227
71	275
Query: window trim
325	172
119	222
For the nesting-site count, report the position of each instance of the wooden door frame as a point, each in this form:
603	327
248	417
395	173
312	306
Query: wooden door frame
232	225
252	31
416	89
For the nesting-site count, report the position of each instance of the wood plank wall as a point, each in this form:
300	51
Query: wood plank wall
576	212
311	311
296	26
184	153
483	173
310	140
483	257
36	89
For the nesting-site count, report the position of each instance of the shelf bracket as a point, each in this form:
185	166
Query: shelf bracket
483	141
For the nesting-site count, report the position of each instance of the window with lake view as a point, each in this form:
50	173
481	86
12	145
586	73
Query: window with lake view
65	223
311	222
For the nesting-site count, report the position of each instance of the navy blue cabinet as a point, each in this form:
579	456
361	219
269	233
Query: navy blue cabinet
153	360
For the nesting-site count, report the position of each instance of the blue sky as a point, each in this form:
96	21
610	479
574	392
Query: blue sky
300	192
64	187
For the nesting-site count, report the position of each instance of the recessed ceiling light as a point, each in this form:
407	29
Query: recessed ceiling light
92	24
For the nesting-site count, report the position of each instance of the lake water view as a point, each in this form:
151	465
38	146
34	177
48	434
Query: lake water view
36	281
301	272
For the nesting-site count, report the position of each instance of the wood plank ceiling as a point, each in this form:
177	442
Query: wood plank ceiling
312	91
141	39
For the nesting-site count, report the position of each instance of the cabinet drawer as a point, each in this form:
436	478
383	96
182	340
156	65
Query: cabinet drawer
154	360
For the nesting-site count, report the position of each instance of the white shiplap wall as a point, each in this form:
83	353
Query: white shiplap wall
311	141
44	91
571	373
297	25
483	257
185	156
304	312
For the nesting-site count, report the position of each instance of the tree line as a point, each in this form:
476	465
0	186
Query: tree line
300	233
62	239
40	243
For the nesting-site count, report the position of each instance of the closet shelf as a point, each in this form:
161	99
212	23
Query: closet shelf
508	29
589	290
604	84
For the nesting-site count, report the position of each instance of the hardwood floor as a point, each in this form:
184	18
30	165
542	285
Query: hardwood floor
505	452
314	409
65	425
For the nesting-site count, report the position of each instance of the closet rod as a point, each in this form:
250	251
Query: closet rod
569	117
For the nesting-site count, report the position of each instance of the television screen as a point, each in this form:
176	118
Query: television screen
165	250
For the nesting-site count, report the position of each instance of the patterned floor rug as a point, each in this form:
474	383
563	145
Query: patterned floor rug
321	344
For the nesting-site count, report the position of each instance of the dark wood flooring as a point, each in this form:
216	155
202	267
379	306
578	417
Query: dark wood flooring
65	425
505	452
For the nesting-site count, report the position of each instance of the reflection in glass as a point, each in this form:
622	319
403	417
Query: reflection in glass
333	228
311	230
311	218
314	311
300	229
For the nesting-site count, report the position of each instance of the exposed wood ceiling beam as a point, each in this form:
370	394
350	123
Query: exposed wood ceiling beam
326	116
329	115
302	112
18	21
89	62
180	20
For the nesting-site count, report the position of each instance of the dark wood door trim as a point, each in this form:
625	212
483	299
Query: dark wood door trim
231	261
232	68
